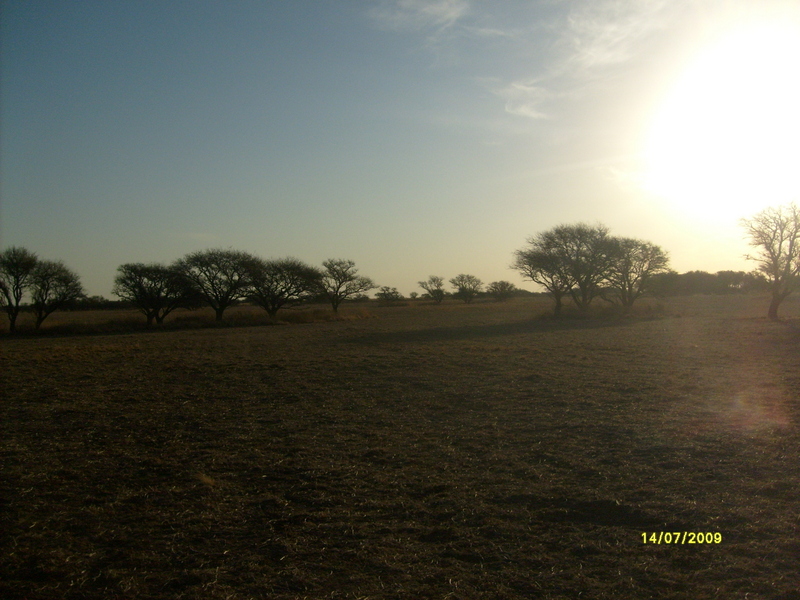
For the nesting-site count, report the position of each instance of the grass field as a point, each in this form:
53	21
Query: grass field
420	451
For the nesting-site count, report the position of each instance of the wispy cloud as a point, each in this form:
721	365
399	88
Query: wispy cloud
611	32
419	14
525	98
589	41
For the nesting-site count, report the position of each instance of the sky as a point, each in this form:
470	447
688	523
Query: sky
414	137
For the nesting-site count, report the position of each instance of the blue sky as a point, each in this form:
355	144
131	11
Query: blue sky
414	137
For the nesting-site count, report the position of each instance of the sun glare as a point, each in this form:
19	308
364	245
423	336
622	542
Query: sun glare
726	141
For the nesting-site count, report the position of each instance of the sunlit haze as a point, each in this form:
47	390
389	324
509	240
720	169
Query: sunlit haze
414	137
725	142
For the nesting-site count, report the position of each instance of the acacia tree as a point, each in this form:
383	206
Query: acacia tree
435	288
568	259
275	284
155	289
53	285
467	287
775	233
340	280
501	290
219	276
16	270
389	294
543	264
586	253
633	264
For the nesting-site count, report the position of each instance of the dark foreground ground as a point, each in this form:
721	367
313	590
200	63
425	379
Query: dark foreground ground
463	452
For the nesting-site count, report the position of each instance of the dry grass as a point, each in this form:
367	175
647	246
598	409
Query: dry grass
125	321
427	452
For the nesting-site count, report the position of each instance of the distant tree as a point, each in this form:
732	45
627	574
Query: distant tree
586	253
340	280
435	288
413	295
155	289
219	276
666	284
53	286
543	263
568	259
467	287
754	281
97	303
775	233
501	290
276	284
389	294
633	264
16	270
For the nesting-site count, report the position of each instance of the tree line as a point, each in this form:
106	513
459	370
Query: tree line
50	284
219	278
582	262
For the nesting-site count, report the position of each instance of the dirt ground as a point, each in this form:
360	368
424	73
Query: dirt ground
456	451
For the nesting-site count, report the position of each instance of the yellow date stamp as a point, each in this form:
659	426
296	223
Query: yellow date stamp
681	537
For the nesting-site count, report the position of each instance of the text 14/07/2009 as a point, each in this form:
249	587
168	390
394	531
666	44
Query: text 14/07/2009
681	537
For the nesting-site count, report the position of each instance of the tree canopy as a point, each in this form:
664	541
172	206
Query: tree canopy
340	280
775	234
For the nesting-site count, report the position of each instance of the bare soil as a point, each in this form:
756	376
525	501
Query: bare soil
455	451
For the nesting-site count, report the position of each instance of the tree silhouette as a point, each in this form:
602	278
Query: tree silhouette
53	286
632	266
435	288
775	233
467	287
219	276
155	289
501	290
389	294
586	255
544	264
16	270
340	280
276	284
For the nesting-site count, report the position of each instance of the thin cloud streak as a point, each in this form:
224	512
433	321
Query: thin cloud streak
419	15
610	33
525	98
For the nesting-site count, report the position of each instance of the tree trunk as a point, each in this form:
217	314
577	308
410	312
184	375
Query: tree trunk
219	312
557	309
773	306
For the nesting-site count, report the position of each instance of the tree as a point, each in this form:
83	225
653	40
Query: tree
542	263
633	263
340	280
501	290
568	259
389	294
53	286
16	269
219	276
155	289
586	253
435	288
276	284
775	233
467	287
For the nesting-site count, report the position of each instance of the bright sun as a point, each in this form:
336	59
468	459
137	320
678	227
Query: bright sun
727	139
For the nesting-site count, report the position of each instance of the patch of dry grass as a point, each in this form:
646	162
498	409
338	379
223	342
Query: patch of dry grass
461	451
